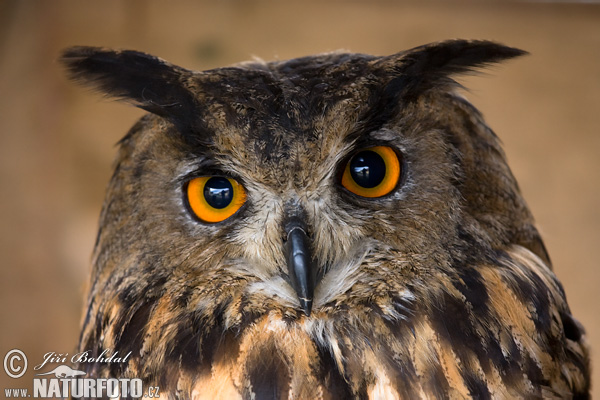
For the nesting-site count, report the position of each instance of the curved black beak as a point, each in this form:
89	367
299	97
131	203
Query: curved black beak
299	260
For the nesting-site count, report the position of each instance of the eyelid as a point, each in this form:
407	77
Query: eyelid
367	143
206	170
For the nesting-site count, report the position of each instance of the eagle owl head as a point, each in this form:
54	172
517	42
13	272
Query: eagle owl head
333	226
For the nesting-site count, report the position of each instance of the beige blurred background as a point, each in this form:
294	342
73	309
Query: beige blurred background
57	140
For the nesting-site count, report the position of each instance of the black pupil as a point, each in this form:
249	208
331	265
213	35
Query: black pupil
218	192
367	169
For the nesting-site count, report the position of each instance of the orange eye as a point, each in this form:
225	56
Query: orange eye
372	172
215	198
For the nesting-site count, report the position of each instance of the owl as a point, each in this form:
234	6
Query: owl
337	226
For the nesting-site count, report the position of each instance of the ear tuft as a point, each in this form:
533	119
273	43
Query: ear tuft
149	82
432	65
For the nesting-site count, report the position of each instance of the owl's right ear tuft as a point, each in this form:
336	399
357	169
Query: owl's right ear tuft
149	82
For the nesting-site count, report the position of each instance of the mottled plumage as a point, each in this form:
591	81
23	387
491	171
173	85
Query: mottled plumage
441	288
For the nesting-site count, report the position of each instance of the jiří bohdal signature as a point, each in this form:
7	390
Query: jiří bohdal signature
83	357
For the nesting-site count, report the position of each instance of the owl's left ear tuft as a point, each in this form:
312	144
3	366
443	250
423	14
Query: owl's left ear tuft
149	82
432	65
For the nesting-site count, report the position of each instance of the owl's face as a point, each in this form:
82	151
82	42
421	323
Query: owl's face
313	158
324	208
